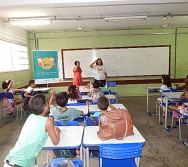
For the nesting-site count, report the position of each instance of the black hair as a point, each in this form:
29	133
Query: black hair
102	103
167	80
5	84
76	62
61	99
32	81
96	84
97	61
72	92
37	104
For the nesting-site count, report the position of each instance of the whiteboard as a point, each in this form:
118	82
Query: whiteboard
137	61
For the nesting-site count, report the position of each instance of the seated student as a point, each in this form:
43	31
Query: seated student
7	86
74	94
28	94
181	107
60	111
185	86
166	85
33	135
103	103
96	92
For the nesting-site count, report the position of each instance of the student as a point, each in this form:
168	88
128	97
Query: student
77	80
103	103
181	107
166	85
7	86
60	111
183	86
100	72
96	92
33	135
74	94
28	94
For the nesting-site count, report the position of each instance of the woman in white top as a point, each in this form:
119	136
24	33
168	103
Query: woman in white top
100	72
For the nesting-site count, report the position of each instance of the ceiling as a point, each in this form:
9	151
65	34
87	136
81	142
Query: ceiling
90	15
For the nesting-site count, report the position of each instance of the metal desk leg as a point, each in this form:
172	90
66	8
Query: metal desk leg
147	110
81	149
87	156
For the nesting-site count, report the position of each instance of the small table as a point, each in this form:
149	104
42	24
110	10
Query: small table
150	90
70	137
94	108
91	139
83	89
110	97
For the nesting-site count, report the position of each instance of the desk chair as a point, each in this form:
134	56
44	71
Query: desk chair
121	155
57	162
112	88
10	95
183	119
75	104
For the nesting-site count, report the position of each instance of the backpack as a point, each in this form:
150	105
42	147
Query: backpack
7	107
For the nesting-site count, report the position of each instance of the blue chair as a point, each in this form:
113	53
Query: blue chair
183	119
57	162
120	155
72	123
79	119
75	104
89	122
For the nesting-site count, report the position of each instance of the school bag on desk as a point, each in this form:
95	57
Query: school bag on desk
115	124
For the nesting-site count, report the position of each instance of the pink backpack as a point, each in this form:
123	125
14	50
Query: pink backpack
6	105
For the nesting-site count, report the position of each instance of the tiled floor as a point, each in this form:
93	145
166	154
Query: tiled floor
162	148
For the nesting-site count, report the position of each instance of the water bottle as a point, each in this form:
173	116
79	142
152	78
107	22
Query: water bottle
51	116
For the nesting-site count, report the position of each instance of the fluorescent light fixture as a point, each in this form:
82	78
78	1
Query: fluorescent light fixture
29	22
129	18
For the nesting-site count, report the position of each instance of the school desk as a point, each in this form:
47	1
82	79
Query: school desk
148	91
70	138
91	139
94	108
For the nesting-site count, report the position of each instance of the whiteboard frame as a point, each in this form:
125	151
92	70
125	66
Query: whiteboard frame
124	47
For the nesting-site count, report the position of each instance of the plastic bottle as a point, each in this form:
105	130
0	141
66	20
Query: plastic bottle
51	116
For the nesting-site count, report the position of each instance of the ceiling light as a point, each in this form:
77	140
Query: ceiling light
29	22
130	18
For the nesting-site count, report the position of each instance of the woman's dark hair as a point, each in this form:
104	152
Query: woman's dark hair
98	60
5	84
72	92
37	104
102	103
76	62
61	99
167	80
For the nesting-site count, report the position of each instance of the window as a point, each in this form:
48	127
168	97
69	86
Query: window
13	57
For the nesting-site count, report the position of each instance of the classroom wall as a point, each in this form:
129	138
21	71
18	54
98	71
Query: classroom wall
118	38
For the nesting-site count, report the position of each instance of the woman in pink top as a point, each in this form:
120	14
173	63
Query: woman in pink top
77	80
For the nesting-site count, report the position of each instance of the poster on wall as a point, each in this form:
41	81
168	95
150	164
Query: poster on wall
45	66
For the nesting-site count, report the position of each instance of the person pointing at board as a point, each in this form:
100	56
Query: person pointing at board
99	72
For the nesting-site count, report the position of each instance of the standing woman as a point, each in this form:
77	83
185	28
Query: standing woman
77	80
100	72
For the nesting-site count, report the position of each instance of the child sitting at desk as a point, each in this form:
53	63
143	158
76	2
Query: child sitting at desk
33	135
96	92
181	107
166	85
74	94
60	111
7	86
28	94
